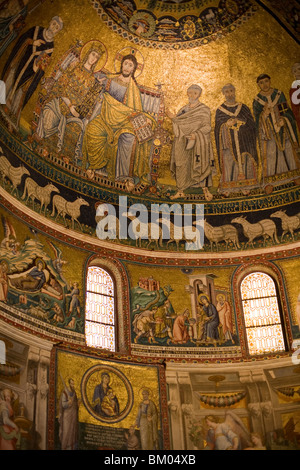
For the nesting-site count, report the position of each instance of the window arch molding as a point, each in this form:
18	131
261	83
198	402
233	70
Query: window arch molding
275	274
121	298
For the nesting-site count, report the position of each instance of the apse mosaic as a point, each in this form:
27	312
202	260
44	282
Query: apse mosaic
165	102
90	116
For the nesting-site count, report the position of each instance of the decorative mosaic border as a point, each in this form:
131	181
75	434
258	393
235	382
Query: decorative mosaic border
121	253
21	320
188	44
74	181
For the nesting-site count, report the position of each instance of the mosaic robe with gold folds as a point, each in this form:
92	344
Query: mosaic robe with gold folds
276	127
147	421
236	144
110	141
19	72
191	160
70	90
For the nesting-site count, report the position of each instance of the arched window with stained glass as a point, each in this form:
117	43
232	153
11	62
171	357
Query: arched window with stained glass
100	328
262	317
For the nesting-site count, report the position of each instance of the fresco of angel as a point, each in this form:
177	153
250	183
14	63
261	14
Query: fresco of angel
227	434
9	242
10	436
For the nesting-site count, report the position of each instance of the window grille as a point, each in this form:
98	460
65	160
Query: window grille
261	314
100	309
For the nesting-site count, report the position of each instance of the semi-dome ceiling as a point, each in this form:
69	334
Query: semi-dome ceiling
72	120
103	113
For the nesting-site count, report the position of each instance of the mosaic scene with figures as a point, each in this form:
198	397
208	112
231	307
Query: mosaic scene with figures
150	226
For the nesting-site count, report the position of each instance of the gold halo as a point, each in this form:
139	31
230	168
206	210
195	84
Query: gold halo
4	262
66	380
40	260
101	372
99	47
137	54
202	295
147	389
221	296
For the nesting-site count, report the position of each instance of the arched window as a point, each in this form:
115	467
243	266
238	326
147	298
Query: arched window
100	331
261	314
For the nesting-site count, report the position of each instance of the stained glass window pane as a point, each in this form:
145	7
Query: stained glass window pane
265	339
99	281
99	314
261	314
99	308
99	335
257	285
